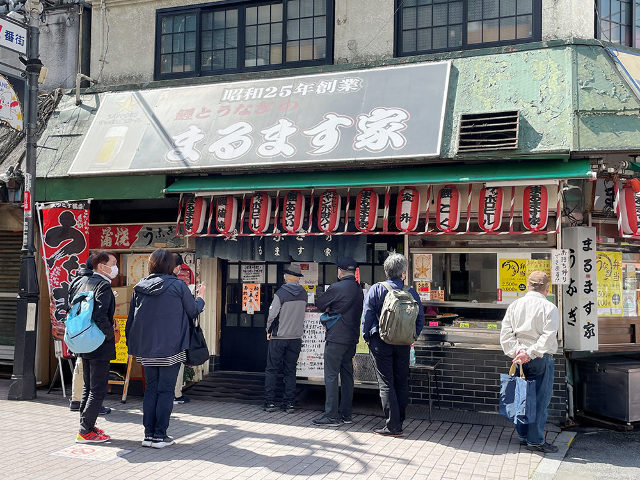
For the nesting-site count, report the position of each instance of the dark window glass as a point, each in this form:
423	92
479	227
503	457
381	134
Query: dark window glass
214	39
433	25
615	21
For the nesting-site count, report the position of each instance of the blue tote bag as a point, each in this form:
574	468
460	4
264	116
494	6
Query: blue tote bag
517	397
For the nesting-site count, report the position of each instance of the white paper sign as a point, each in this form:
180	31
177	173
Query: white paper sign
309	272
252	273
560	266
311	359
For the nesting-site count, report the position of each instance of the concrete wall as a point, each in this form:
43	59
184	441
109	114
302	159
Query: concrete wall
58	47
567	18
123	39
364	30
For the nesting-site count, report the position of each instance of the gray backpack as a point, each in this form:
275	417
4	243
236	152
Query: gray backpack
397	325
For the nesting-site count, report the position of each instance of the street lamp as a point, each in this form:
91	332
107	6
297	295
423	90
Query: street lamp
23	379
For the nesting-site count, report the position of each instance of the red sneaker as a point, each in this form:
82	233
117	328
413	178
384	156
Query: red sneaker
92	437
99	431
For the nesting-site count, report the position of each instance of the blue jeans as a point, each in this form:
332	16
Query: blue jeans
158	399
338	360
541	370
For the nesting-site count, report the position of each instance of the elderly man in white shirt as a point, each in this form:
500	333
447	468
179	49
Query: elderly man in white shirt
528	335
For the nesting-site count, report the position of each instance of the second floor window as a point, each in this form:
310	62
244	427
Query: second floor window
424	26
616	22
243	36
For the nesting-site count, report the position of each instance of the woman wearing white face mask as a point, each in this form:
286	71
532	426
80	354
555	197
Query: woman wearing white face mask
96	364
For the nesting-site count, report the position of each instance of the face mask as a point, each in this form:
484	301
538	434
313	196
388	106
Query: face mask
113	273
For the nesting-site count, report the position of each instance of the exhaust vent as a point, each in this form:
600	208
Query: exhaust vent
480	132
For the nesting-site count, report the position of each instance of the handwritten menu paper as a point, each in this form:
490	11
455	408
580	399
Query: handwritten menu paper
311	359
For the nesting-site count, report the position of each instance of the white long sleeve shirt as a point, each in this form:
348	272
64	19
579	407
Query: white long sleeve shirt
530	324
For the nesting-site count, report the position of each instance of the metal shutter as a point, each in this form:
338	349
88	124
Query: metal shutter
10	246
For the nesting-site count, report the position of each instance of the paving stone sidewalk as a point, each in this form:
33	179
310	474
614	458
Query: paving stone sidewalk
237	441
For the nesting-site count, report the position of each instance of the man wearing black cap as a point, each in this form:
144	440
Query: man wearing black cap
343	298
285	339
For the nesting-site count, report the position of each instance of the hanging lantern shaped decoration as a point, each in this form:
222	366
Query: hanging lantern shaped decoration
366	210
195	215
408	209
226	214
293	211
490	208
630	210
535	208
448	209
259	212
329	211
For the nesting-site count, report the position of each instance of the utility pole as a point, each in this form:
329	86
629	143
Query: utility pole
23	379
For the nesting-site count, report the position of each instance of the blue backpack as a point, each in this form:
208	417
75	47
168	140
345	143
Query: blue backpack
81	333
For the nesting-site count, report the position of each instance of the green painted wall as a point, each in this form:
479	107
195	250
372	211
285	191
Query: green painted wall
535	82
128	187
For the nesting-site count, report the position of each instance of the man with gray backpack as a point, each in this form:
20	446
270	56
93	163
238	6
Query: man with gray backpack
393	319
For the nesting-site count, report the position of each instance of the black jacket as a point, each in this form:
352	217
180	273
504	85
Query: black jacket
104	305
344	297
161	310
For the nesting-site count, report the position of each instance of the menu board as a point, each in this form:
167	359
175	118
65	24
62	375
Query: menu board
122	354
311	359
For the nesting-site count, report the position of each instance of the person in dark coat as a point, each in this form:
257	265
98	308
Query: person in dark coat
95	365
343	298
160	314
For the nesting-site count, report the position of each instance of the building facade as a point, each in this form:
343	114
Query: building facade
301	130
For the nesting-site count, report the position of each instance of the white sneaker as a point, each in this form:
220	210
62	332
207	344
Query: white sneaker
147	441
162	442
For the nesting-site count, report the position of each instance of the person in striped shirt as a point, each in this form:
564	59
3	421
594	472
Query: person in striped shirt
161	311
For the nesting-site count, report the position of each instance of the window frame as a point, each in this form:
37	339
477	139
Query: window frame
536	14
241	5
633	25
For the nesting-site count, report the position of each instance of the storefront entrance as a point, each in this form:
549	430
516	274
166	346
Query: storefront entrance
243	343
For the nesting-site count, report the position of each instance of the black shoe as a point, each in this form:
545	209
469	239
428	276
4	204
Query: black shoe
386	432
181	399
104	410
74	406
162	442
544	448
288	408
325	421
346	420
270	407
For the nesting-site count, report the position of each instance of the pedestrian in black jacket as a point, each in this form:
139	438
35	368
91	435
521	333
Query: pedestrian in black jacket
95	365
343	298
161	311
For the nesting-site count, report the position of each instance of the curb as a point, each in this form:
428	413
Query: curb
549	465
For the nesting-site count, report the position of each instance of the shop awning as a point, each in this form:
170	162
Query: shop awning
407	175
130	187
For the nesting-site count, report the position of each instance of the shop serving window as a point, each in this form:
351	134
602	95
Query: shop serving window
616	22
243	36
425	26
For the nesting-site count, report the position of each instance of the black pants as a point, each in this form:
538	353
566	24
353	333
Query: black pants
96	377
282	357
392	368
338	360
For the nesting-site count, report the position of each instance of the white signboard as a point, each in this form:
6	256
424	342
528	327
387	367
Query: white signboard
309	273
580	300
10	111
252	273
560	266
311	359
13	36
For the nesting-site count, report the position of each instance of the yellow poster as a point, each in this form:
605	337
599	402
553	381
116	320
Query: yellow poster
122	354
540	266
513	274
609	277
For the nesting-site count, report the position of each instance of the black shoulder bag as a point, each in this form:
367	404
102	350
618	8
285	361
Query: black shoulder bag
198	352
